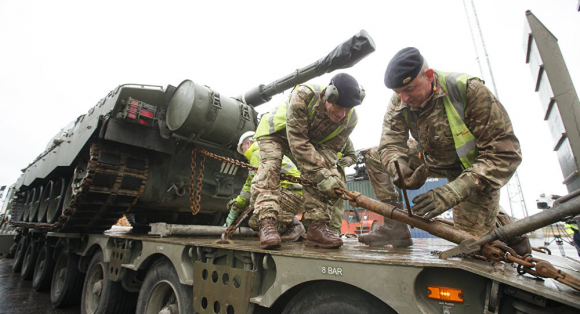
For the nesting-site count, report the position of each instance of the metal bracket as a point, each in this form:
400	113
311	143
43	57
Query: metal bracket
121	254
221	289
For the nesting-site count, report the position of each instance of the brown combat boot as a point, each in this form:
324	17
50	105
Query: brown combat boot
319	235
392	232
269	238
294	230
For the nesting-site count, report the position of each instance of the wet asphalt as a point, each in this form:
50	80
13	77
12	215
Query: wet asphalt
18	297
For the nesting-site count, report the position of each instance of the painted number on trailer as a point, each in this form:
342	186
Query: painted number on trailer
337	271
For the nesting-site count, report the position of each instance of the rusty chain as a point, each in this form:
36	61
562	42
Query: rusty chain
229	232
528	264
283	176
195	194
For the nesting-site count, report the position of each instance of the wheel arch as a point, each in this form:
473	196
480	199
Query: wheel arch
283	300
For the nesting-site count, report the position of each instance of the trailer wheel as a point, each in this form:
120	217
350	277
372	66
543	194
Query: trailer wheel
44	268
162	292
29	261
67	280
335	298
19	256
101	295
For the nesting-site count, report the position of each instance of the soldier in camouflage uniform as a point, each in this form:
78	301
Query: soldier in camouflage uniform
292	201
464	134
313	124
346	158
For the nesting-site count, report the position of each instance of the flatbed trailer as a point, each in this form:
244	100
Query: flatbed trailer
242	278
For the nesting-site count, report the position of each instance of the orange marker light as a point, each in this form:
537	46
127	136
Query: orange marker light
445	294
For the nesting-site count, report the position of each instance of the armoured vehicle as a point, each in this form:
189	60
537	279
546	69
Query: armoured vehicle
163	272
132	153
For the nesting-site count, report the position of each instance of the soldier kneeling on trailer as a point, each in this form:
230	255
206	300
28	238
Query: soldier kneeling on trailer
463	133
292	201
313	125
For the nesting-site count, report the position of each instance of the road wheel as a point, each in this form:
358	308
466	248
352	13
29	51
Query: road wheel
29	260
103	296
44	268
56	202
67	280
162	292
19	256
331	297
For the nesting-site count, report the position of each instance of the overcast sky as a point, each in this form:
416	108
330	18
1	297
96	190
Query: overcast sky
58	58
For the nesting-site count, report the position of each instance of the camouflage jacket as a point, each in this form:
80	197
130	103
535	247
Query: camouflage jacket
253	156
314	160
486	118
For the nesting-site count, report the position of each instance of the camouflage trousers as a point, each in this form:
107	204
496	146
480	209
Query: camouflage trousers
266	184
337	210
477	214
291	204
336	216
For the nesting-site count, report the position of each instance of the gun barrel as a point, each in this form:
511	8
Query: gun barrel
343	56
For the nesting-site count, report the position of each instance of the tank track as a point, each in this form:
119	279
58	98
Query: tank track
111	184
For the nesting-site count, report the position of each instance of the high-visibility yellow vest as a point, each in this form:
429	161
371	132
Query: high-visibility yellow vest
253	156
455	102
275	120
570	228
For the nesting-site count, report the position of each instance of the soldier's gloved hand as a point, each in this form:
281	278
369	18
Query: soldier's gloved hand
232	216
328	186
435	202
231	203
405	171
417	179
345	162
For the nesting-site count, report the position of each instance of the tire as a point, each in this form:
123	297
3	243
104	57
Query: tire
19	255
67	281
335	298
29	260
103	296
161	289
44	268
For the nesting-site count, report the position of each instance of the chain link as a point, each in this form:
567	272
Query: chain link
283	176
195	193
528	264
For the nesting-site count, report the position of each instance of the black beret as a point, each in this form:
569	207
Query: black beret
348	90
403	68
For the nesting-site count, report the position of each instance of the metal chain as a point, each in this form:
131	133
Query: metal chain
193	193
283	176
528	264
199	184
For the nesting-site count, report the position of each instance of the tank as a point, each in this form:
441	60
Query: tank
131	154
